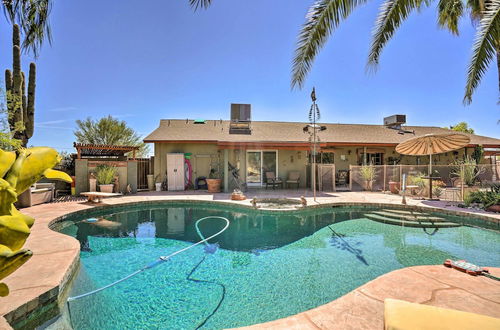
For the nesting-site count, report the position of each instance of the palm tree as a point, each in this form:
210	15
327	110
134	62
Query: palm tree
33	18
324	16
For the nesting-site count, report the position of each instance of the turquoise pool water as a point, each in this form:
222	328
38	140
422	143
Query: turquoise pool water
268	265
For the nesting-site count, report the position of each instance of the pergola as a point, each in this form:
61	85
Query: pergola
100	150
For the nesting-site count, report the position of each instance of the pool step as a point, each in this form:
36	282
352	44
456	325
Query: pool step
404	212
409	223
409	217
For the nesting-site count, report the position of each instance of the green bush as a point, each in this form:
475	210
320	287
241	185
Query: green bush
105	174
485	198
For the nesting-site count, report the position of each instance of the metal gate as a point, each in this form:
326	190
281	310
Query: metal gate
326	177
144	167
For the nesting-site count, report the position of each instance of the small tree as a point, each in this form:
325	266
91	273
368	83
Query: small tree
462	127
109	131
368	174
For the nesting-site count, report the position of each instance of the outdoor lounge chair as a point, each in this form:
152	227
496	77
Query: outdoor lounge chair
342	177
272	180
293	178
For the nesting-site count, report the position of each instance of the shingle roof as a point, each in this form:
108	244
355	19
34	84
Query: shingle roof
292	132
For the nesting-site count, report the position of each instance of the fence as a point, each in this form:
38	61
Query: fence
145	166
448	177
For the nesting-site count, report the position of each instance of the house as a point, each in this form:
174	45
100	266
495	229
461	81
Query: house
256	147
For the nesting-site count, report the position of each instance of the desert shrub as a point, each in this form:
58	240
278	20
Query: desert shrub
105	174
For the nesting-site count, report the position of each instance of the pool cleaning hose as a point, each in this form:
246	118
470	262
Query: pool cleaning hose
162	258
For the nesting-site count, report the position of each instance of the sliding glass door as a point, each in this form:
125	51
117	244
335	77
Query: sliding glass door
258	163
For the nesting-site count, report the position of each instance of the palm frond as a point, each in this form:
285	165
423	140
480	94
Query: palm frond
200	4
449	13
35	24
323	17
33	18
391	14
486	46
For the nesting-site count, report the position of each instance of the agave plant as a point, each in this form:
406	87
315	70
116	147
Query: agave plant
324	17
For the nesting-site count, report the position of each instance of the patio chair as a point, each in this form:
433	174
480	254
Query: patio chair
342	178
272	180
293	178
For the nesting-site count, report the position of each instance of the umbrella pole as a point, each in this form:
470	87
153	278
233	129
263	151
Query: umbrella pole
430	176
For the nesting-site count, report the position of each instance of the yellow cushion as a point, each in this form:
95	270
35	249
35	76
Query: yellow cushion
401	315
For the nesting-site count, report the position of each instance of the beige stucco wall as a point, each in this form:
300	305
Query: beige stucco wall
201	158
288	160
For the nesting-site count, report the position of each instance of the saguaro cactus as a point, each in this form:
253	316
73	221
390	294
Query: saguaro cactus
21	105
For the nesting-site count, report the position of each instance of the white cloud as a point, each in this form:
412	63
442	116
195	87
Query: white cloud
62	109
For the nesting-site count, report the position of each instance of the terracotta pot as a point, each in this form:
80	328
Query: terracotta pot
494	208
238	197
106	188
213	185
394	187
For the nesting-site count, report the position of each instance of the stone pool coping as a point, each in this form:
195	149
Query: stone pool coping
44	278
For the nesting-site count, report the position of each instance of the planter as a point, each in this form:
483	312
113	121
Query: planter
238	197
368	185
151	182
494	208
106	188
213	185
394	187
158	186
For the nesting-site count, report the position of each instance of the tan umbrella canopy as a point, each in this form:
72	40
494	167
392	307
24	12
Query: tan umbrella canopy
431	144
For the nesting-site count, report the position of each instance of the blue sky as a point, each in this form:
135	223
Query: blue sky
162	60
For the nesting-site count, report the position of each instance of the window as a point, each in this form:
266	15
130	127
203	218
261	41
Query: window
372	158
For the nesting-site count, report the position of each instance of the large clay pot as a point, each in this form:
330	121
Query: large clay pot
394	187
213	185
494	208
151	182
106	188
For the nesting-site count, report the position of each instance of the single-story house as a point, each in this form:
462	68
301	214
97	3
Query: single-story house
256	147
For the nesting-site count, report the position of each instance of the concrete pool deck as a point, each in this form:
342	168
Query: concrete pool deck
43	279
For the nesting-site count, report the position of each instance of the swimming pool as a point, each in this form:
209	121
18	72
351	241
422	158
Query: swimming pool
269	265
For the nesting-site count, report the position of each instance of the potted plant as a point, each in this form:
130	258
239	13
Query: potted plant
213	181
105	176
368	175
158	183
394	184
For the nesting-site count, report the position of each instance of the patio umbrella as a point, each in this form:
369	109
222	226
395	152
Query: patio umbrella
431	144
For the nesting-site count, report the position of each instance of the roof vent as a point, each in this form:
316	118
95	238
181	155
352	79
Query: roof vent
240	119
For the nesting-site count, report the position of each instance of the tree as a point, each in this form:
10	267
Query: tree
33	17
462	127
7	141
109	131
324	16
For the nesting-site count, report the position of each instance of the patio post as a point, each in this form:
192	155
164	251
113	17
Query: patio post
226	170
385	174
350	177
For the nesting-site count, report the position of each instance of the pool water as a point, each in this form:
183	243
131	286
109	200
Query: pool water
268	265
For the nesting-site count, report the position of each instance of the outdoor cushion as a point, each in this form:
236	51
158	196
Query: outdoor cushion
401	315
